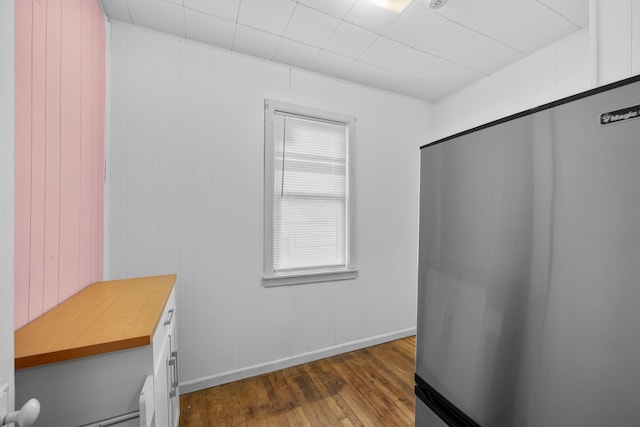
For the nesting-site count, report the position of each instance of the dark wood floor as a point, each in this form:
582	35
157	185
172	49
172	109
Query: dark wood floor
368	387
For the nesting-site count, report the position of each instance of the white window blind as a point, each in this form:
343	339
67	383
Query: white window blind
309	230
310	193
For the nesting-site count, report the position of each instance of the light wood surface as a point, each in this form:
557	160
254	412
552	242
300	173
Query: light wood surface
368	387
103	317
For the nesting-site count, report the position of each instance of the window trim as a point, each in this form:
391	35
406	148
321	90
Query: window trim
300	276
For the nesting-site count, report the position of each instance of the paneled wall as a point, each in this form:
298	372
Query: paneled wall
607	51
616	39
185	193
555	72
59	151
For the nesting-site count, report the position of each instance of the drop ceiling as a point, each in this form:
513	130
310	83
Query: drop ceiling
420	52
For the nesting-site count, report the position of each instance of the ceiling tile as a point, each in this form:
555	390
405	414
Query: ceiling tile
117	10
420	89
576	11
255	42
427	31
372	17
208	29
350	40
158	15
331	64
271	16
398	58
337	8
227	9
295	54
420	52
310	26
530	25
374	76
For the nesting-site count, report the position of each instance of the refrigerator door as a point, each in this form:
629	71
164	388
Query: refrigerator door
475	261
529	267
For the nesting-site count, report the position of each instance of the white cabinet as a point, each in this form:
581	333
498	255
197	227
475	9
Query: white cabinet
86	390
165	370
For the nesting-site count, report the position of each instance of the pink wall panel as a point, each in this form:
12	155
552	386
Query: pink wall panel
86	134
60	105
70	149
23	37
38	128
52	155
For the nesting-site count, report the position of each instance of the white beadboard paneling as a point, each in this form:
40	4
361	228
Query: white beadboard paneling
203	153
271	16
547	74
118	160
142	168
208	222
169	116
614	40
209	29
528	83
313	309
227	9
350	40
255	42
352	300
573	64
185	298
310	26
226	170
263	314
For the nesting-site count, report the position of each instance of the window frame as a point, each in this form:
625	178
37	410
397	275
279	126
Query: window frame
303	276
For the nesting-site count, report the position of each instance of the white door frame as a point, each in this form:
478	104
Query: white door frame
7	147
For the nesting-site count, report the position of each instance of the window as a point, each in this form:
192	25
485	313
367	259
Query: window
309	173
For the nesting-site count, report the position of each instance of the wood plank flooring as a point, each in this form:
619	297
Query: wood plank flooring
368	387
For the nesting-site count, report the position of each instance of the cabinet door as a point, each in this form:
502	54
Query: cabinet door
174	394
161	380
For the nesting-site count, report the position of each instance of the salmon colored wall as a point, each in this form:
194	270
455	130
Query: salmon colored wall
59	153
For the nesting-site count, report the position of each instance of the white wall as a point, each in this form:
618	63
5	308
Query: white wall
607	51
616	39
185	195
7	112
555	72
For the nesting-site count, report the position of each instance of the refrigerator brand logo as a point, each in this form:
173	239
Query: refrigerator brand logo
620	115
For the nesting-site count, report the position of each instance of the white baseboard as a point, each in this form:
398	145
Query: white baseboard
262	368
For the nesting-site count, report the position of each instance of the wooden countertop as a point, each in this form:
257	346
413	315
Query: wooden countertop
103	317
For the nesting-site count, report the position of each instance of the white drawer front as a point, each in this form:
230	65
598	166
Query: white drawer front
166	327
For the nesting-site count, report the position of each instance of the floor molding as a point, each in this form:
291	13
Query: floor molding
251	371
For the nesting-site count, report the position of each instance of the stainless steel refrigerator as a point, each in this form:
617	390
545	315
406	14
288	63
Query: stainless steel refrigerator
529	268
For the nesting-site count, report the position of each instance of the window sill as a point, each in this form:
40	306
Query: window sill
309	277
